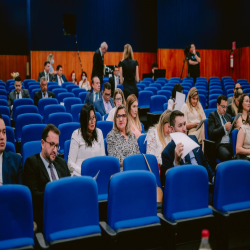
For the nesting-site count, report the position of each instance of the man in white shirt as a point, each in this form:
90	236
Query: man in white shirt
114	80
46	73
60	78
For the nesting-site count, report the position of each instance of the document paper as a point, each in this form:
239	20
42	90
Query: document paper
180	100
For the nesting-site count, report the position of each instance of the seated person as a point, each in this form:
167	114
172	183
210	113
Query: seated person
73	77
171	101
95	95
86	142
43	93
236	87
84	83
232	109
43	168
193	114
18	93
118	100
46	72
219	123
244	110
105	104
158	136
133	116
154	66
11	169
114	80
121	142
60	78
172	154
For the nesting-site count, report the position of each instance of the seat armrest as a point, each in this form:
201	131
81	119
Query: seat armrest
218	212
107	229
41	241
165	220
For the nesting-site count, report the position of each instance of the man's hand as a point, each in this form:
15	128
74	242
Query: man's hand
194	52
178	153
227	126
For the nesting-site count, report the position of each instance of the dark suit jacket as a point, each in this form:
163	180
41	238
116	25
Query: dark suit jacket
41	74
168	155
12	96
215	129
112	82
90	97
99	106
38	96
12	169
36	177
63	77
97	65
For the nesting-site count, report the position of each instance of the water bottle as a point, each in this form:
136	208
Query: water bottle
204	240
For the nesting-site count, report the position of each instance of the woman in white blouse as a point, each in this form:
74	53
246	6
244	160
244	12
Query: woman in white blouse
194	113
86	142
84	83
158	136
171	101
118	100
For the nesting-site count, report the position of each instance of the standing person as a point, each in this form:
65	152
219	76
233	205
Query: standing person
98	62
73	77
129	69
50	58
84	83
194	60
114	80
95	95
60	78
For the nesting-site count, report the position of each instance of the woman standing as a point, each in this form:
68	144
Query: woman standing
129	70
50	58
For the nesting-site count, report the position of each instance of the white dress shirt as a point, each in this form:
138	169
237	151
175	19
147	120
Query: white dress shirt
60	80
116	81
46	75
1	169
111	115
79	151
46	164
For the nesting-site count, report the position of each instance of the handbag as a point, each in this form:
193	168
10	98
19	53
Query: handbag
158	189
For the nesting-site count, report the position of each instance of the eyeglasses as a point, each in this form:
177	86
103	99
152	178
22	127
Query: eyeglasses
107	94
53	145
237	88
121	116
223	106
118	99
91	119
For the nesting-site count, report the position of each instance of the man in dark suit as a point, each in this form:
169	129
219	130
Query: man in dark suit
104	104
219	123
98	61
43	168
45	73
172	154
11	170
60	77
18	93
93	96
114	80
43	93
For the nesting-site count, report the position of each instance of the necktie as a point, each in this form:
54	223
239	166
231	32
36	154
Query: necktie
17	96
224	120
52	172
96	96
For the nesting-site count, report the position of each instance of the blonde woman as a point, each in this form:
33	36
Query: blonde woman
158	136
118	100
50	58
129	70
133	116
194	113
232	109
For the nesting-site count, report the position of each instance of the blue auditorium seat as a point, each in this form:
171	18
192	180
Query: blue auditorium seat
166	93
105	127
51	109
62	96
76	91
208	111
5	111
156	104
82	96
4	102
75	111
10	134
30	148
10	147
60	118
71	87
144	99
58	91
6	119
142	143
44	102
21	102
25	109
69	101
152	89
66	150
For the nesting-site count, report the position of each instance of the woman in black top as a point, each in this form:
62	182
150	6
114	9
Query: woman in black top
130	71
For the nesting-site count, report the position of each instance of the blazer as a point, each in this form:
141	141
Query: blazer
112	82
36	177
12	96
99	106
98	64
12	169
38	96
215	129
90	97
63	77
41	74
168	155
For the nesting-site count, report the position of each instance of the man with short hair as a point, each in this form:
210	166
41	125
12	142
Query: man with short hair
98	61
230	99
194	60
60	77
172	154
104	104
46	73
18	93
114	80
40	169
43	93
95	95
154	66
11	169
219	123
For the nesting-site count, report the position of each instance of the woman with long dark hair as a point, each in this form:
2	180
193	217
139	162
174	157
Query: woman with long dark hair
86	142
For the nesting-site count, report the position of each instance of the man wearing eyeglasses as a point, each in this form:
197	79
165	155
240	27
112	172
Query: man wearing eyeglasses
104	104
219	123
230	99
114	80
43	168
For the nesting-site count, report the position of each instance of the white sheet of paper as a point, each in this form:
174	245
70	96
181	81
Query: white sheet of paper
188	143
180	100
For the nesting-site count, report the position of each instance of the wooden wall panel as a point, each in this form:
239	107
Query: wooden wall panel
70	61
12	63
